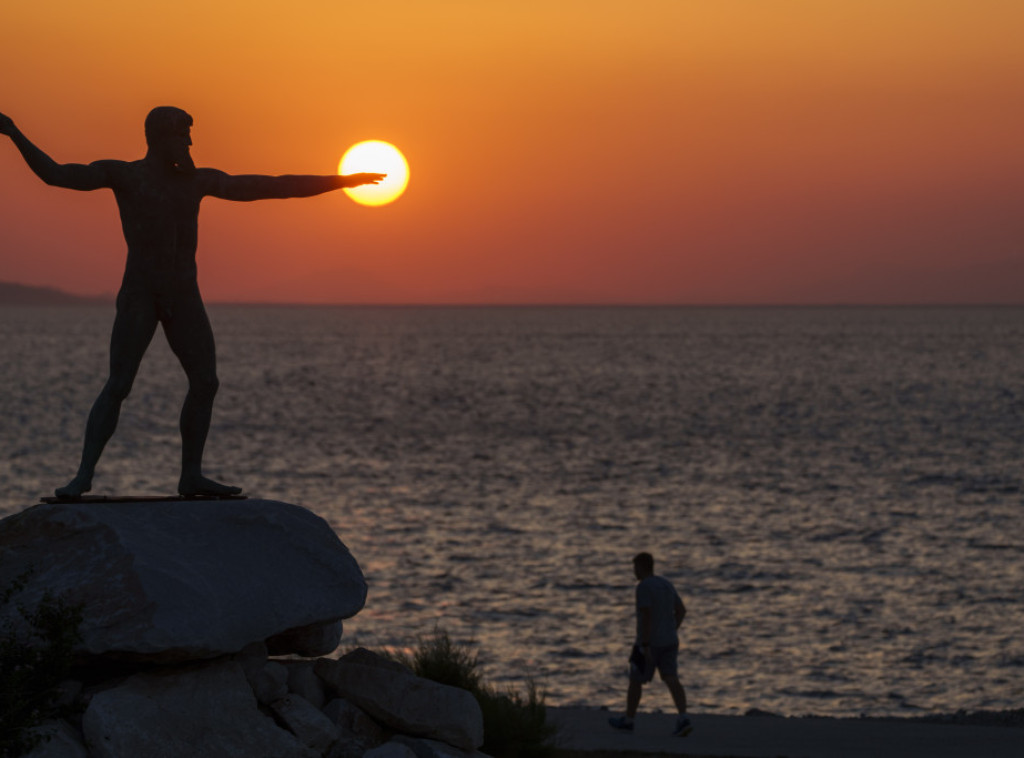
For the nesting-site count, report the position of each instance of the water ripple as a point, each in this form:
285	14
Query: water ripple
835	492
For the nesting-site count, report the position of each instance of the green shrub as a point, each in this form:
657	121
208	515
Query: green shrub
33	661
515	725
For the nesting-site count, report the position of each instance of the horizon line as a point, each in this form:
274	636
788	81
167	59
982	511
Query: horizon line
555	304
110	298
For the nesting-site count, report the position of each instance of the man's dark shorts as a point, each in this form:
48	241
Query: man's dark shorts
664	660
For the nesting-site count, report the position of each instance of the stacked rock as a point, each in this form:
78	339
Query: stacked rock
183	603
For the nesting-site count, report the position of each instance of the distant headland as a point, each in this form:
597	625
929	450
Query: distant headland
23	294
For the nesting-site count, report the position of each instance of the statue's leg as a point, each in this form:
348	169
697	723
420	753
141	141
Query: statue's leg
191	338
134	326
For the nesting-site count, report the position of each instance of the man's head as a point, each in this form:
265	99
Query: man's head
168	135
643	565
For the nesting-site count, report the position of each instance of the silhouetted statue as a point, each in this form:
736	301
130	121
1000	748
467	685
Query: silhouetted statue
158	198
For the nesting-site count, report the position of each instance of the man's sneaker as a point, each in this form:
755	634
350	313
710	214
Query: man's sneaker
683	727
621	722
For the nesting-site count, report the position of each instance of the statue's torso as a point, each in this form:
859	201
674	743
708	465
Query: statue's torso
159	210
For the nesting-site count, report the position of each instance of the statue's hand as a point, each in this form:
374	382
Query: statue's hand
356	180
6	125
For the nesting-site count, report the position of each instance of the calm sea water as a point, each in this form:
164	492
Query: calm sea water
835	492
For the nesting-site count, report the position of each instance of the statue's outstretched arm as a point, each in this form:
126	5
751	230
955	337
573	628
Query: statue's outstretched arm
255	187
71	175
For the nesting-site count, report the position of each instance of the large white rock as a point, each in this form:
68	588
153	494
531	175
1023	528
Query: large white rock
173	581
205	711
408	704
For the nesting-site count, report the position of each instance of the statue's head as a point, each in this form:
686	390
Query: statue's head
169	135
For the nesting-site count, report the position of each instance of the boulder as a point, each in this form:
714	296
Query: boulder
369	658
406	703
204	711
185	580
269	683
303	681
252	659
358	732
313	729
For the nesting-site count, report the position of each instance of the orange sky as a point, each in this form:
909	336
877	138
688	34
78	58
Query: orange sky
653	151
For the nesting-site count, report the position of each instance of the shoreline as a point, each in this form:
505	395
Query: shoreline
994	734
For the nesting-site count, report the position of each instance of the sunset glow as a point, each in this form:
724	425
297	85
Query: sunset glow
379	157
586	151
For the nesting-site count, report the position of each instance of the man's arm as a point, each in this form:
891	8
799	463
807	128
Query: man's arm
70	175
680	611
255	187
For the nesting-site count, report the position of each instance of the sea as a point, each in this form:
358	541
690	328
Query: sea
836	493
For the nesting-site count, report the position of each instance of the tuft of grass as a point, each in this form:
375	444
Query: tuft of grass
515	725
440	660
33	662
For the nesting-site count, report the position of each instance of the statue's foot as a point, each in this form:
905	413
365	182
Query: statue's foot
75	488
196	486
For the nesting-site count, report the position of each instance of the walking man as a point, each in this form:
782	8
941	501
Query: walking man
158	198
659	612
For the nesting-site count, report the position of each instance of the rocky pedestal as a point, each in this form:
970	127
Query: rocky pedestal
181	604
211	710
184	581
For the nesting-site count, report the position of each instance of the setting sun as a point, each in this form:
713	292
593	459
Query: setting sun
379	157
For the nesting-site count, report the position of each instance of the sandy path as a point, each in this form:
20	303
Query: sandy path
770	737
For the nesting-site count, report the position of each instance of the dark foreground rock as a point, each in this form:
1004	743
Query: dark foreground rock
207	710
184	581
211	710
407	703
183	605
